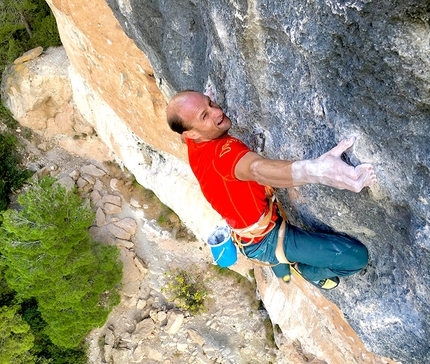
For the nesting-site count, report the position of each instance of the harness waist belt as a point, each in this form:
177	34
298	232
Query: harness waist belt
262	227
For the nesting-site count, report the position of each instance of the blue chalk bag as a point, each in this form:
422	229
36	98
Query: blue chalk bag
222	247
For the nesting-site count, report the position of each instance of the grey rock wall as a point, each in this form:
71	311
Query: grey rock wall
297	77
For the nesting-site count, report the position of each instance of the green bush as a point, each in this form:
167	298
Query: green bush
15	337
49	256
11	175
7	295
7	118
25	24
46	33
187	289
43	348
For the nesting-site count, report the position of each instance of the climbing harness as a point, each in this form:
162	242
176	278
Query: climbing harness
262	228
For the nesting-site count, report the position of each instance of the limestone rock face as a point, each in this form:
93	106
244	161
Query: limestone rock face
29	98
38	92
295	77
116	70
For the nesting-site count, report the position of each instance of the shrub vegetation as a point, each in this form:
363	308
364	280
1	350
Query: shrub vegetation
16	338
187	288
55	282
51	262
25	24
11	174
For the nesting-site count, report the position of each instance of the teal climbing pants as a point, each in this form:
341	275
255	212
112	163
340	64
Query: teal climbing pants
318	255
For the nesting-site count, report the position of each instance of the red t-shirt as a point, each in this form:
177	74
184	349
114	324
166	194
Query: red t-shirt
240	203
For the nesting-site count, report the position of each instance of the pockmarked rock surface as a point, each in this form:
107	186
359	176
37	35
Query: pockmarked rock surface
295	77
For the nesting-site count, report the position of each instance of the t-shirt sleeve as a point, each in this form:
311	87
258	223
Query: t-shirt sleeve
228	153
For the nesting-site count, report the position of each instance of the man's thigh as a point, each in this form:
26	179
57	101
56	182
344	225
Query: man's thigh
324	250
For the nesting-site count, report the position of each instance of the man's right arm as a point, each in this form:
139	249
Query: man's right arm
328	169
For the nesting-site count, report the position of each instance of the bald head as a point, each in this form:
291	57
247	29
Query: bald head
175	121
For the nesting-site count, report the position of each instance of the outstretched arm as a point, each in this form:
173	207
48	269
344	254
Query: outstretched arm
328	169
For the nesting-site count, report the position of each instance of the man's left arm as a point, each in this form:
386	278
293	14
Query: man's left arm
328	169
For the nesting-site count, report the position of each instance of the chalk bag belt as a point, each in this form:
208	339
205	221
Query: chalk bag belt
261	228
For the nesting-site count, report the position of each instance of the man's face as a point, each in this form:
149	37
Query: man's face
206	119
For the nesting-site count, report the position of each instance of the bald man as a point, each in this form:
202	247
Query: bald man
234	180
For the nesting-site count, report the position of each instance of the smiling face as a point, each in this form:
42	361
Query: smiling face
205	119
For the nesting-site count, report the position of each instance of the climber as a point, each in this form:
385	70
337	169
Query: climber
235	181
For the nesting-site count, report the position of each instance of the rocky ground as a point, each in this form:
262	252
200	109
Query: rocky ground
146	327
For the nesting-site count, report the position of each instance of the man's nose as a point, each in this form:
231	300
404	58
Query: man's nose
216	112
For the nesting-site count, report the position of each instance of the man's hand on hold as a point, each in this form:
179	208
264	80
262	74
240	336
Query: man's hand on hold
330	170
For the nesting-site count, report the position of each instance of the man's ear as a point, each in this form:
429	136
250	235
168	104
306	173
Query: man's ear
191	134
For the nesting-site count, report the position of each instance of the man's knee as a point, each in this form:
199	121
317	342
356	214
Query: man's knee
359	256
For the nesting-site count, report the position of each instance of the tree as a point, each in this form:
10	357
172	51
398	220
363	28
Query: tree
15	20
44	349
45	31
11	176
15	337
25	24
51	257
